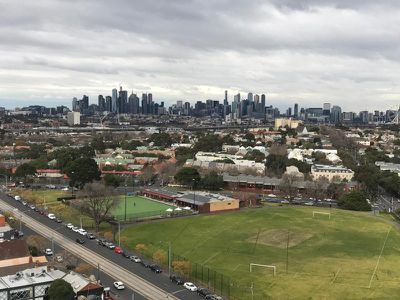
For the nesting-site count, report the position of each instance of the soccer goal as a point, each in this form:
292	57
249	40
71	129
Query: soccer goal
321	213
273	268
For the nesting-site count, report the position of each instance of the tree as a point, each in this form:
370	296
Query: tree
188	176
183	153
276	163
212	181
208	143
60	290
163	139
166	172
355	200
112	180
97	202
160	257
255	155
25	170
288	186
147	174
82	171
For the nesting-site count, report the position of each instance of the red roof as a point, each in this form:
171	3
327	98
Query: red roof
122	172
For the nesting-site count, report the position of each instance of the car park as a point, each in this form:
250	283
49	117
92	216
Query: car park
80	241
190	286
156	268
203	292
90	236
69	226
119	285
118	250
135	259
176	279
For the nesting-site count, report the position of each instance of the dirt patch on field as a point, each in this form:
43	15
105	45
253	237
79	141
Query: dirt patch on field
278	238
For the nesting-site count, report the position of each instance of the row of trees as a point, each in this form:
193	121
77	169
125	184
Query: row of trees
191	177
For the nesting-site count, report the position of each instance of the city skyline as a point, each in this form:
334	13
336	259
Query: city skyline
309	52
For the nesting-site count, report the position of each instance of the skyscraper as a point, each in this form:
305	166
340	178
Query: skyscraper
101	102
114	95
250	97
226	98
122	101
336	114
296	110
134	107
144	104
326	109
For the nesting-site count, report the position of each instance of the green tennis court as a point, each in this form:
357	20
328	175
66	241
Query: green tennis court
137	206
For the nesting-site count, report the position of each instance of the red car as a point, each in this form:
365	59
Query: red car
118	250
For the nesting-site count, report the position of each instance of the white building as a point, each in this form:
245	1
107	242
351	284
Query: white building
332	173
74	118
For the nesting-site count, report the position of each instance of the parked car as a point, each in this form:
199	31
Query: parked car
18	198
213	297
136	259
58	220
82	231
75	229
126	254
110	245
203	292
24	203
145	263
118	250
90	236
32	207
80	241
190	286
155	268
51	216
69	226
176	279
59	258
119	285
48	252
101	242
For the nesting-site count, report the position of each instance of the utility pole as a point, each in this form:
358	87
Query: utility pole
169	257
52	248
119	233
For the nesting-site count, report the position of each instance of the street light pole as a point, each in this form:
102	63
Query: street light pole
169	257
119	233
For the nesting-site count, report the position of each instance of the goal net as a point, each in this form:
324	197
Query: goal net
321	213
273	268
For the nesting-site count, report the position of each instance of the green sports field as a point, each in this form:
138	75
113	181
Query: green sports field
137	206
349	256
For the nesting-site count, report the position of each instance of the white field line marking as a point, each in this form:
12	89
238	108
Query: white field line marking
211	257
336	275
379	258
234	270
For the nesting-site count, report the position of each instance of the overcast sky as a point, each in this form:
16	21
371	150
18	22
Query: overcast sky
346	52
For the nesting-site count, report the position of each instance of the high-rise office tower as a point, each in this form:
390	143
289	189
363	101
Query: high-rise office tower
101	102
296	110
85	102
250	97
122	101
114	95
326	109
144	104
75	104
263	102
226	98
336	114
108	103
133	104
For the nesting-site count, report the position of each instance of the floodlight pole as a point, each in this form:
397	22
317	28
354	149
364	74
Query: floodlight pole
287	252
125	202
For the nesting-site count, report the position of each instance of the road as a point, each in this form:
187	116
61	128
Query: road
139	279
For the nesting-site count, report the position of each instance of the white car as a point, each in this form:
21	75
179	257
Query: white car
136	259
190	286
18	198
51	216
69	226
119	285
48	252
75	229
82	231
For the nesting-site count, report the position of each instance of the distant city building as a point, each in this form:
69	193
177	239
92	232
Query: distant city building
289	122
74	118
